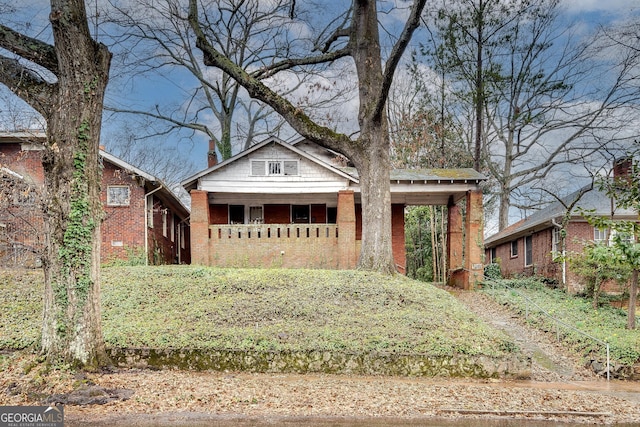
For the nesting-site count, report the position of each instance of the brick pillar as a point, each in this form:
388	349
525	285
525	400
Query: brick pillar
199	227
454	243
346	221
397	238
474	238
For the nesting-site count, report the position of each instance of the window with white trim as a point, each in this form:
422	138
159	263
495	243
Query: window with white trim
600	235
514	248
556	241
118	195
528	251
164	223
274	167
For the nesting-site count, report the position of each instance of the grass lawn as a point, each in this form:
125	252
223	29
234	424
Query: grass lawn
259	309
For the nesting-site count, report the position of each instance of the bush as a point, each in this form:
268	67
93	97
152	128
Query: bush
493	271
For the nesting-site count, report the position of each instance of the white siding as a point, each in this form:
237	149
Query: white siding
238	177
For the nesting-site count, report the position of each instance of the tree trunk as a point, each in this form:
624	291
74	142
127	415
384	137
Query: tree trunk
375	190
72	330
633	293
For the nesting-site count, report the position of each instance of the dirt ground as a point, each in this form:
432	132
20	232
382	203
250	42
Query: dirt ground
560	390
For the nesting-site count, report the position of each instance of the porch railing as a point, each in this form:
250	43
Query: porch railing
273	231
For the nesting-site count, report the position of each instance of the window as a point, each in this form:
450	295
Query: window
556	241
173	228
150	211
514	249
493	254
528	251
274	167
118	195
258	168
256	215
290	167
600	235
332	215
236	214
624	237
164	222
300	214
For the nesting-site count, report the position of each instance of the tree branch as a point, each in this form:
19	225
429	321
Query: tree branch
396	54
27	85
266	72
29	48
256	89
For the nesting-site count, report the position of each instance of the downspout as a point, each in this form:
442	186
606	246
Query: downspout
179	238
564	252
146	224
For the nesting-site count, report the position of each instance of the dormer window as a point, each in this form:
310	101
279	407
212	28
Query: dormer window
274	167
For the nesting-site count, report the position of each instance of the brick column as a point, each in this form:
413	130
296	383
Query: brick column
454	242
346	221
397	238
199	227
474	238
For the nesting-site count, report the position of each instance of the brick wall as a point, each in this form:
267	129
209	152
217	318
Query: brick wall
123	226
287	246
542	261
578	232
318	214
219	214
277	214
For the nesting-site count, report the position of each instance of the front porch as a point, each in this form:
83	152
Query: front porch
273	236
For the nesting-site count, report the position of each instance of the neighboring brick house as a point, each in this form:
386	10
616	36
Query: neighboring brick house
528	246
133	201
298	206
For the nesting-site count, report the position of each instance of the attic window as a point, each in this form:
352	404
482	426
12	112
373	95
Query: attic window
274	167
258	168
118	195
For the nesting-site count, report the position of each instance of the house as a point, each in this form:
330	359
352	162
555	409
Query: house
529	246
143	219
298	206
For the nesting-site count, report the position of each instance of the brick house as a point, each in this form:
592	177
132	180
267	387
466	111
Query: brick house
298	206
133	200
528	246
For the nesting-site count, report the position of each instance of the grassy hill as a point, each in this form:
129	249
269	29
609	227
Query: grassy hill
262	310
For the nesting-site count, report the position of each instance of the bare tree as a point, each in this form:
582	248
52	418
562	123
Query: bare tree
65	82
547	100
354	34
156	36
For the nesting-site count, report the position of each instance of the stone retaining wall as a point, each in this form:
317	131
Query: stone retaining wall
517	366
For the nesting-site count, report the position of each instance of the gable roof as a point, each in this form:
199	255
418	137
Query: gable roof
191	182
592	199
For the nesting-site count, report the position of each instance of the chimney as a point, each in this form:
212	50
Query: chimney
212	157
622	168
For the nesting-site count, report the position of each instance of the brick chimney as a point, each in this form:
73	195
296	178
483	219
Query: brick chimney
622	167
212	157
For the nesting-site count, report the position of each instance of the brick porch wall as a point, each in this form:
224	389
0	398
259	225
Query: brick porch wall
274	246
